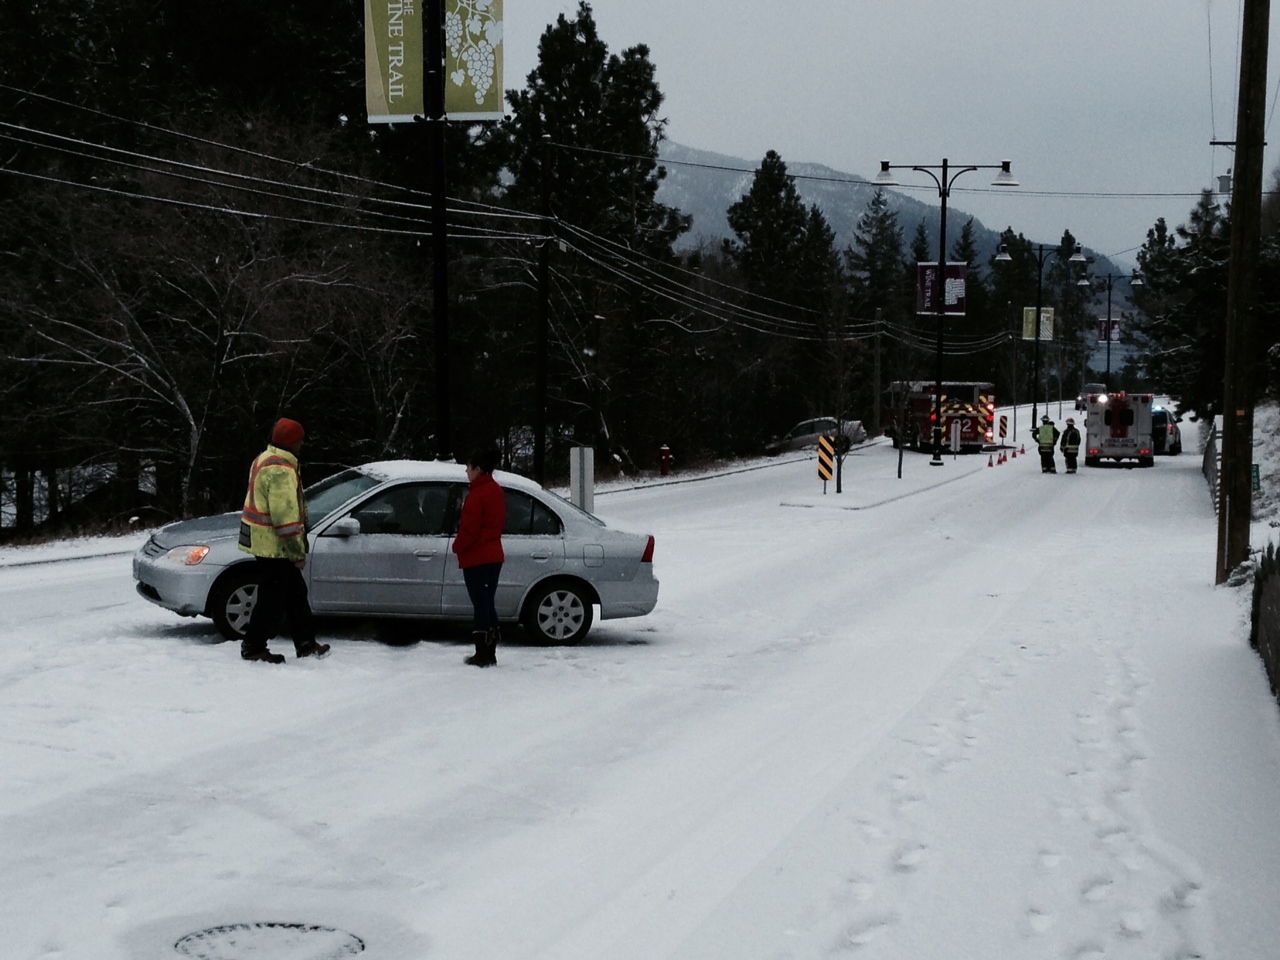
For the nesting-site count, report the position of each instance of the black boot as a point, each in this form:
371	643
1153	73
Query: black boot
260	653
495	635
483	656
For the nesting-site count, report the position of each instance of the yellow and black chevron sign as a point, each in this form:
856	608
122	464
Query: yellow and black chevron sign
826	457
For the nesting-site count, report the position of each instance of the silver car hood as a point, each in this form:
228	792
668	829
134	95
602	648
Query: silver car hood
199	530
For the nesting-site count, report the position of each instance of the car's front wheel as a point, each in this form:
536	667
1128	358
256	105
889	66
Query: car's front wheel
232	599
559	612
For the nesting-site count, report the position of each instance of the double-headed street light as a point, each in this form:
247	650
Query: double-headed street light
1041	255
1109	279
944	179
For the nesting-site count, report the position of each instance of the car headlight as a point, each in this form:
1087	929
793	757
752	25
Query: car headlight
187	556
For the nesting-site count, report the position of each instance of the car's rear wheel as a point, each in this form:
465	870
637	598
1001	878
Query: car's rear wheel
558	612
231	600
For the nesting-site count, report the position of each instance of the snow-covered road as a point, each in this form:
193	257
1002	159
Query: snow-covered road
972	713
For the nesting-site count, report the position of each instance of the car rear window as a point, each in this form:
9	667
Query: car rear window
529	517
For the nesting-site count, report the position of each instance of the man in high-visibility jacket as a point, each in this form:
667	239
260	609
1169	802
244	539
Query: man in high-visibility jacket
1046	440
273	527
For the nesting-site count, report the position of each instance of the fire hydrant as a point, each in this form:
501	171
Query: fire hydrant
664	459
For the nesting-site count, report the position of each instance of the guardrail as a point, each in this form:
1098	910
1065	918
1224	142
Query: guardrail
1264	633
1212	466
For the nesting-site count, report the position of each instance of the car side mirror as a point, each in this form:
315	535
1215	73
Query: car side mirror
346	527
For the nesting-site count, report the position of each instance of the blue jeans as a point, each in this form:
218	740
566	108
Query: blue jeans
482	587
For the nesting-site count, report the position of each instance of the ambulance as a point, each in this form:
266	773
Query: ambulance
1118	427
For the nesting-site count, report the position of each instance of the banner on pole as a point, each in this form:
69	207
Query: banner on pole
473	59
395	66
951	292
1108	330
1029	323
393	63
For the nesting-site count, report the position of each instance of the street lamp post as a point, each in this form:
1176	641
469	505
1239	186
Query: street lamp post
944	179
1109	279
1041	256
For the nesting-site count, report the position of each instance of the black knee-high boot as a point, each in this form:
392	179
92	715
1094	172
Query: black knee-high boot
486	642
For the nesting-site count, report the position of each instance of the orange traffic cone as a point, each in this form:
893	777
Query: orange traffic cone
1024	449
1014	455
990	462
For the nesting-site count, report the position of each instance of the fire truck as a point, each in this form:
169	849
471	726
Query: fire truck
970	404
1118	427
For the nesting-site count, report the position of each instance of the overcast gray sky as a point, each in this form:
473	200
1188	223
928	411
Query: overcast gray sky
1089	97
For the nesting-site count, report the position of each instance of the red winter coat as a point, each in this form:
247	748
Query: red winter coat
484	514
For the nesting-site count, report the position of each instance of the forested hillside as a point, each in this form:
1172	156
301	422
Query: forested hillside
199	233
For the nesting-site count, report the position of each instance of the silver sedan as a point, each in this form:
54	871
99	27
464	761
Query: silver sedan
380	538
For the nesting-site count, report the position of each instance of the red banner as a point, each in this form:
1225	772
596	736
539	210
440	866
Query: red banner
952	292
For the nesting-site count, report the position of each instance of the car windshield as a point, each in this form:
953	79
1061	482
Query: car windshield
332	492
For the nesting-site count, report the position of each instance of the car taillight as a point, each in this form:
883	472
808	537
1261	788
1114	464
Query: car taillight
648	551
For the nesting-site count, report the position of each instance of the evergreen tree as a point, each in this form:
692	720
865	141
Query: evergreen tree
979	324
780	248
588	125
874	260
1178	324
1074	332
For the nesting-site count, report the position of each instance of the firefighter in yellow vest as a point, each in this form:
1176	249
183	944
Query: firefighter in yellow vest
273	527
1046	440
1070	444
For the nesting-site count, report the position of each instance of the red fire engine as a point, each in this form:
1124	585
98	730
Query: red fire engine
970	404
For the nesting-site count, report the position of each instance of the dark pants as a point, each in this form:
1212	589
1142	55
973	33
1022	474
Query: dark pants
482	587
1046	460
282	593
1070	457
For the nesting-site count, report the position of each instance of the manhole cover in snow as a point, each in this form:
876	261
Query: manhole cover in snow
269	941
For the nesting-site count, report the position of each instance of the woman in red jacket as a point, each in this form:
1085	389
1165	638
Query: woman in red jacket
479	549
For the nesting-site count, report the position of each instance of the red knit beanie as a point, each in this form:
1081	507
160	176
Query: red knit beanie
286	432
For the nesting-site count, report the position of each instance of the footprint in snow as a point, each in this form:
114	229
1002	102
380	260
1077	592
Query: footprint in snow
1039	921
1050	858
861	934
1096	890
909	857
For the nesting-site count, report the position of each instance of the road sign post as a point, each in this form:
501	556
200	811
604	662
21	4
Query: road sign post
826	460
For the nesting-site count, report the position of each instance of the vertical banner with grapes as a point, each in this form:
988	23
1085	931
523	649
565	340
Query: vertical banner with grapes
473	59
393	88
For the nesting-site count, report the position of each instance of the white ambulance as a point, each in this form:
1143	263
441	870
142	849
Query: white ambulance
1118	427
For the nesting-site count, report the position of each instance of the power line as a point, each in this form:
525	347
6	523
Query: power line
860	181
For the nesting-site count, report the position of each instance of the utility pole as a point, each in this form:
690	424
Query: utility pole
1235	484
436	121
544	323
877	424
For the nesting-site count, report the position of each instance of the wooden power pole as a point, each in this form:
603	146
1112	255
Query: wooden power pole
1235	485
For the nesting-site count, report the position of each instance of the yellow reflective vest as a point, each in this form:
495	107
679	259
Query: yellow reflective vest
1046	437
274	521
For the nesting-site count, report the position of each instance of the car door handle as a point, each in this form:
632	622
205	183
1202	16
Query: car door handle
540	555
424	554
